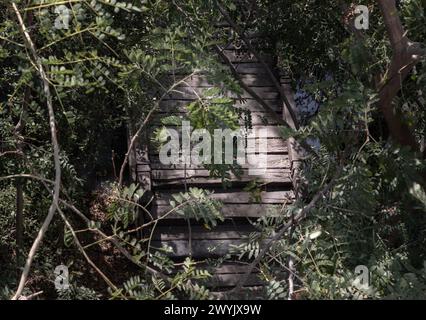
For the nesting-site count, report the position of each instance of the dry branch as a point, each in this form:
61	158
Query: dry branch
83	252
54	205
294	221
116	243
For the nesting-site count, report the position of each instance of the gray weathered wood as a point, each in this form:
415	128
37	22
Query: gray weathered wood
272	131
251	80
172	174
237	56
250	293
200	248
201	233
207	182
230	280
228	210
273	162
275	146
193	93
254	68
237	197
252	105
232	268
238	206
257	118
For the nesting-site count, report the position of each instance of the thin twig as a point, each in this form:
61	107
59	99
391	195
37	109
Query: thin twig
25	175
116	243
31	296
84	253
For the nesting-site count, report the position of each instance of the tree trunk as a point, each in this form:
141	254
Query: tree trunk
405	56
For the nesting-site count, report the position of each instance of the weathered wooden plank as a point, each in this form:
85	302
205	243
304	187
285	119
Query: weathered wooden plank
251	80
276	151
256	40
276	158
180	106
157	166
257	118
173	174
243	67
167	233
228	274
254	68
207	182
193	93
238	56
228	211
231	268
239	197
273	161
230	280
199	248
271	133
277	162
246	293
183	112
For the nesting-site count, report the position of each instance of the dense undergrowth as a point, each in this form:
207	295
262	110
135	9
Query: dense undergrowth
107	71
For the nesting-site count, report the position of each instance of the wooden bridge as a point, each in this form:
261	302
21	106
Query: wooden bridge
238	206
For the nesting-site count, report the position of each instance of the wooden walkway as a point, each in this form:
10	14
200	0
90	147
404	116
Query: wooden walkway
238	207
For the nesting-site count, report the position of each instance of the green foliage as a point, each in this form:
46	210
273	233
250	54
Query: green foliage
78	293
123	208
118	59
275	290
197	204
374	215
106	68
254	187
182	285
213	111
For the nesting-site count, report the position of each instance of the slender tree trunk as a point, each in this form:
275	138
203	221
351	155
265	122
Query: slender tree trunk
52	124
405	55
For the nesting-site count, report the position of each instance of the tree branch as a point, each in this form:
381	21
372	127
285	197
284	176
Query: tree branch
54	205
405	56
116	243
294	221
393	24
83	252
